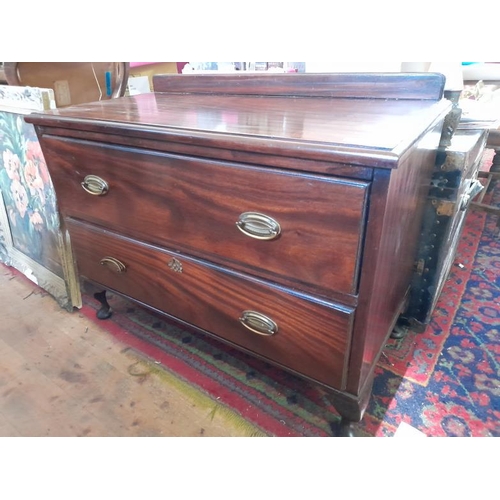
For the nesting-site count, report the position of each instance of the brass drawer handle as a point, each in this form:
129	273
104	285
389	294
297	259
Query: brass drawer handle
113	264
259	226
258	323
473	190
95	185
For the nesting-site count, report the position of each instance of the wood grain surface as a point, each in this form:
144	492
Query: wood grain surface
312	337
193	205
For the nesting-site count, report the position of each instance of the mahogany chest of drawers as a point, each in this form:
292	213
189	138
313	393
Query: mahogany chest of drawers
278	213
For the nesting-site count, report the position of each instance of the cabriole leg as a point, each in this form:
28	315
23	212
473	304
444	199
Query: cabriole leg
346	428
105	311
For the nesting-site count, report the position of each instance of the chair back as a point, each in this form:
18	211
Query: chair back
72	82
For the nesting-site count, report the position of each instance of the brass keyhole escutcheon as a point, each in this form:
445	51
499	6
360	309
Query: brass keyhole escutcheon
175	265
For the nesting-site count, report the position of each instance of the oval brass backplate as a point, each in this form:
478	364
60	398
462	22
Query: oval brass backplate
258	323
113	264
258	226
94	185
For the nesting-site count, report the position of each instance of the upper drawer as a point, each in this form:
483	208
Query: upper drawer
308	337
297	229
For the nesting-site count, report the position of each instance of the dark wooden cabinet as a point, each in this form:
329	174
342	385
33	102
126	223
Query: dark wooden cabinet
279	213
454	185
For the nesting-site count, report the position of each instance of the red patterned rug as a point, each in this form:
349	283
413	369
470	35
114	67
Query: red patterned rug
414	357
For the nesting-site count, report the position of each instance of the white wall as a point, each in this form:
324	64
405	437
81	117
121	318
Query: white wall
355	67
451	70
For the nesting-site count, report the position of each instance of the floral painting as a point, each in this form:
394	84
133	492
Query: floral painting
27	191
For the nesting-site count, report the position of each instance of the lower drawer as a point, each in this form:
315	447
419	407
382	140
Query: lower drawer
309	337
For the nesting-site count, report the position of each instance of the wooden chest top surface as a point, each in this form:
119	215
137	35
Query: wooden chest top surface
291	125
382	125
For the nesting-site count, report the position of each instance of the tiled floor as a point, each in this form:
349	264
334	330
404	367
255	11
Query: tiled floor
61	375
